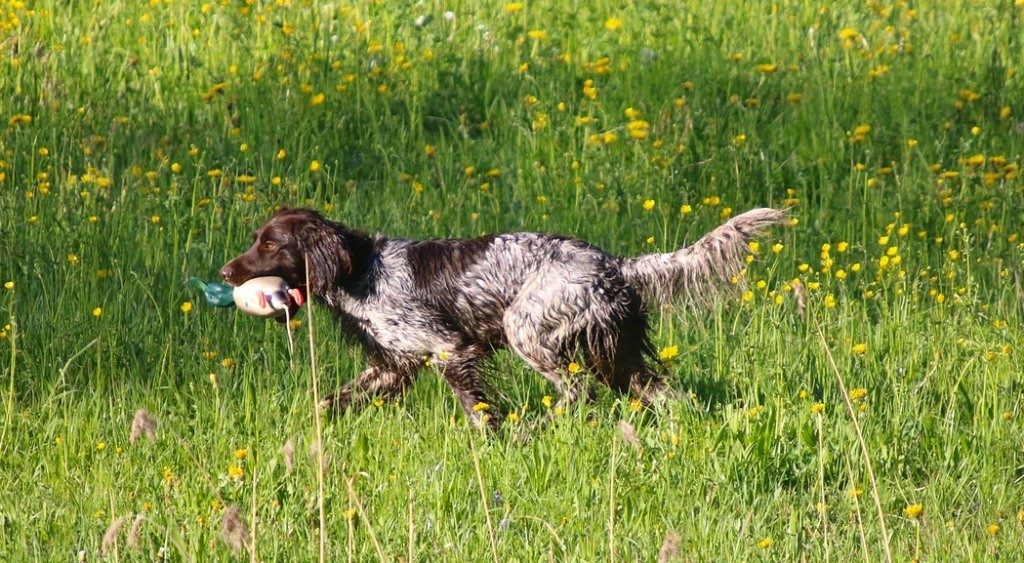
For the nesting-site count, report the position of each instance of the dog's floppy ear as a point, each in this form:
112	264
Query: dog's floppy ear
326	245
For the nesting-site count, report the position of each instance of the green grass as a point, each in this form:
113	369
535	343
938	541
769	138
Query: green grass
152	151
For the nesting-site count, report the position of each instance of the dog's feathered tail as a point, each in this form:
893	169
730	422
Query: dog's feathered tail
697	271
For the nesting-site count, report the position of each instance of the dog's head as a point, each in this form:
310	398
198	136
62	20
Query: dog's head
280	248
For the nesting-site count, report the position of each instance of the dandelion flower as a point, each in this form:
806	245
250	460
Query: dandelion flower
9	285
858	393
649	204
860	348
668	353
314	166
765	543
574	368
97	312
186	307
913	511
612	24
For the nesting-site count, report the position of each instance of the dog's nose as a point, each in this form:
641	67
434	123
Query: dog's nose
227	272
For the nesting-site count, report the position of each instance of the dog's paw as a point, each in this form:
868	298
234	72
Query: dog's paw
335	402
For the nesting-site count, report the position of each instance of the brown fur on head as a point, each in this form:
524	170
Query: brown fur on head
282	244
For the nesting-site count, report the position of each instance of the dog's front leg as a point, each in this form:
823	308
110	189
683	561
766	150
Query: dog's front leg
459	369
375	381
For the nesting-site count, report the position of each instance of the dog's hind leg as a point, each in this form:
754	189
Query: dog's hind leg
546	341
618	351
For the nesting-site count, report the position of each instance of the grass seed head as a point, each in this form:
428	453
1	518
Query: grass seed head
233	529
143	424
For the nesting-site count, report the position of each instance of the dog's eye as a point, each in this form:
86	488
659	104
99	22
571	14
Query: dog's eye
269	245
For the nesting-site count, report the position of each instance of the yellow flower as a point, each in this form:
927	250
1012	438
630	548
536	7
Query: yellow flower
574	368
155	219
480	407
512	417
9	285
546	401
848	33
992	529
765	543
235	472
648	205
818	408
638	129
176	168
281	154
612	24
860	348
537	34
317	99
97	312
975	160
314	166
767	68
186	307
227	363
858	393
747	296
100	446
685	209
913	511
513	7
668	352
241	453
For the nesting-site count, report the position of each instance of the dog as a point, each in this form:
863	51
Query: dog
450	303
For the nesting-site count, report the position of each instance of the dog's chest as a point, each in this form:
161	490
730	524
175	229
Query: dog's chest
395	328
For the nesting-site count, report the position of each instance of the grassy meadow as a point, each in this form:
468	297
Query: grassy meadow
858	397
